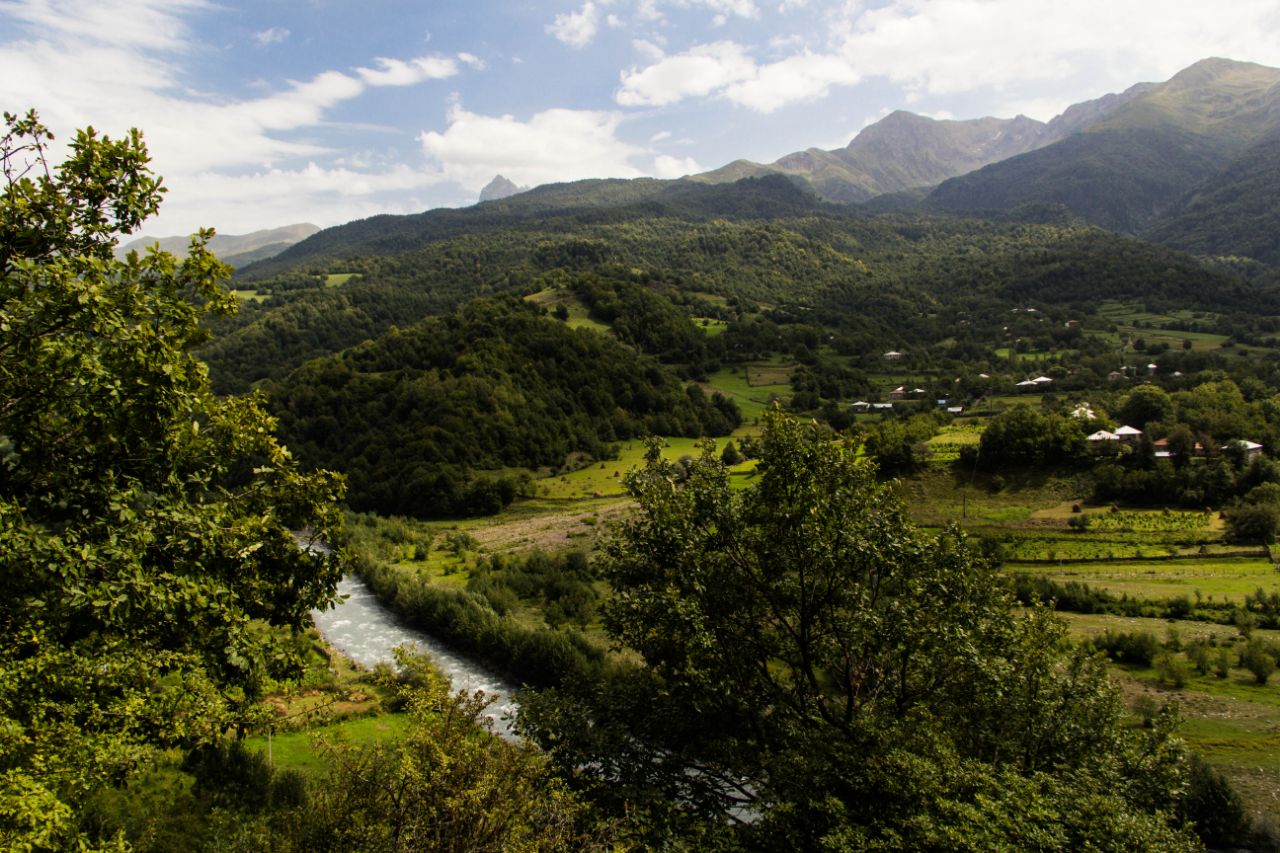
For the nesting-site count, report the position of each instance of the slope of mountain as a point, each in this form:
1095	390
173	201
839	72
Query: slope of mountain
1121	179
496	385
886	274
1236	212
572	203
243	248
904	151
1137	164
899	152
500	188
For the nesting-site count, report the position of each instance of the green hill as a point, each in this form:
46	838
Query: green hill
1237	212
423	420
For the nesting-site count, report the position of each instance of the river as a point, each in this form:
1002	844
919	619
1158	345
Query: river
364	630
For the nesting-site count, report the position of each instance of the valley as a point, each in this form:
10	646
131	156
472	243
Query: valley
920	494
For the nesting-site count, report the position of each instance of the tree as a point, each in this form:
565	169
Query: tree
1258	658
811	660
1145	404
149	575
438	788
1023	436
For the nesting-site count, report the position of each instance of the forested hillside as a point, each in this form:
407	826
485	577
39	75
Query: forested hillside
902	277
414	416
1235	213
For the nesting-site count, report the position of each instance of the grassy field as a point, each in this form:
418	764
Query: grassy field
1234	722
1217	580
753	387
337	279
579	317
301	750
605	479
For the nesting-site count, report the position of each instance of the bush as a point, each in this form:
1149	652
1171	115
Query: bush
1137	648
1172	668
1259	659
1214	807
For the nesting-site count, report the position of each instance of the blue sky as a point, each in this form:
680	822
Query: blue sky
271	112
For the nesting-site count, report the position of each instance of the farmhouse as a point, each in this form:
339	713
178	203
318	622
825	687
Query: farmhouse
1102	440
899	393
892	355
1128	435
1250	448
1163	452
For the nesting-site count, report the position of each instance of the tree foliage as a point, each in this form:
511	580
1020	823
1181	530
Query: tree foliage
147	561
821	675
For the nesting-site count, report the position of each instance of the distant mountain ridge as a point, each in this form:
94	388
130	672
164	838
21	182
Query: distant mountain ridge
500	188
904	151
235	249
1157	160
1137	168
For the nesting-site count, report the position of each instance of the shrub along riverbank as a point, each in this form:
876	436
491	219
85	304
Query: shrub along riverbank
464	619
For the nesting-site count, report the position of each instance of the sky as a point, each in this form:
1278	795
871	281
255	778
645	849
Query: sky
261	113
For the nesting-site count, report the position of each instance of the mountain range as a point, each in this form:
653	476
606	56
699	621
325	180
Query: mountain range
1192	163
236	249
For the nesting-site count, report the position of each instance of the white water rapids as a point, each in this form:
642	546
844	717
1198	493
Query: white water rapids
367	632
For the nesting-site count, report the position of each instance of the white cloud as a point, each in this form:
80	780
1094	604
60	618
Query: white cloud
944	47
272	35
660	136
553	145
396	72
647	49
471	61
115	75
1044	54
323	195
740	8
697	72
576	29
804	77
666	166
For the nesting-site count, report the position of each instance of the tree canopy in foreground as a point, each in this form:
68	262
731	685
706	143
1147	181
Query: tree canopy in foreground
147	560
817	674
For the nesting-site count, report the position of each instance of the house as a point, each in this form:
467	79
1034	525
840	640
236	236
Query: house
881	406
1102	440
1042	380
1026	383
1163	452
892	355
1250	448
1128	435
955	410
860	406
899	393
1115	376
918	392
1152	368
1071	324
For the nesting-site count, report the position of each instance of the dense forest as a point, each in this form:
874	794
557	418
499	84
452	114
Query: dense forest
412	416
